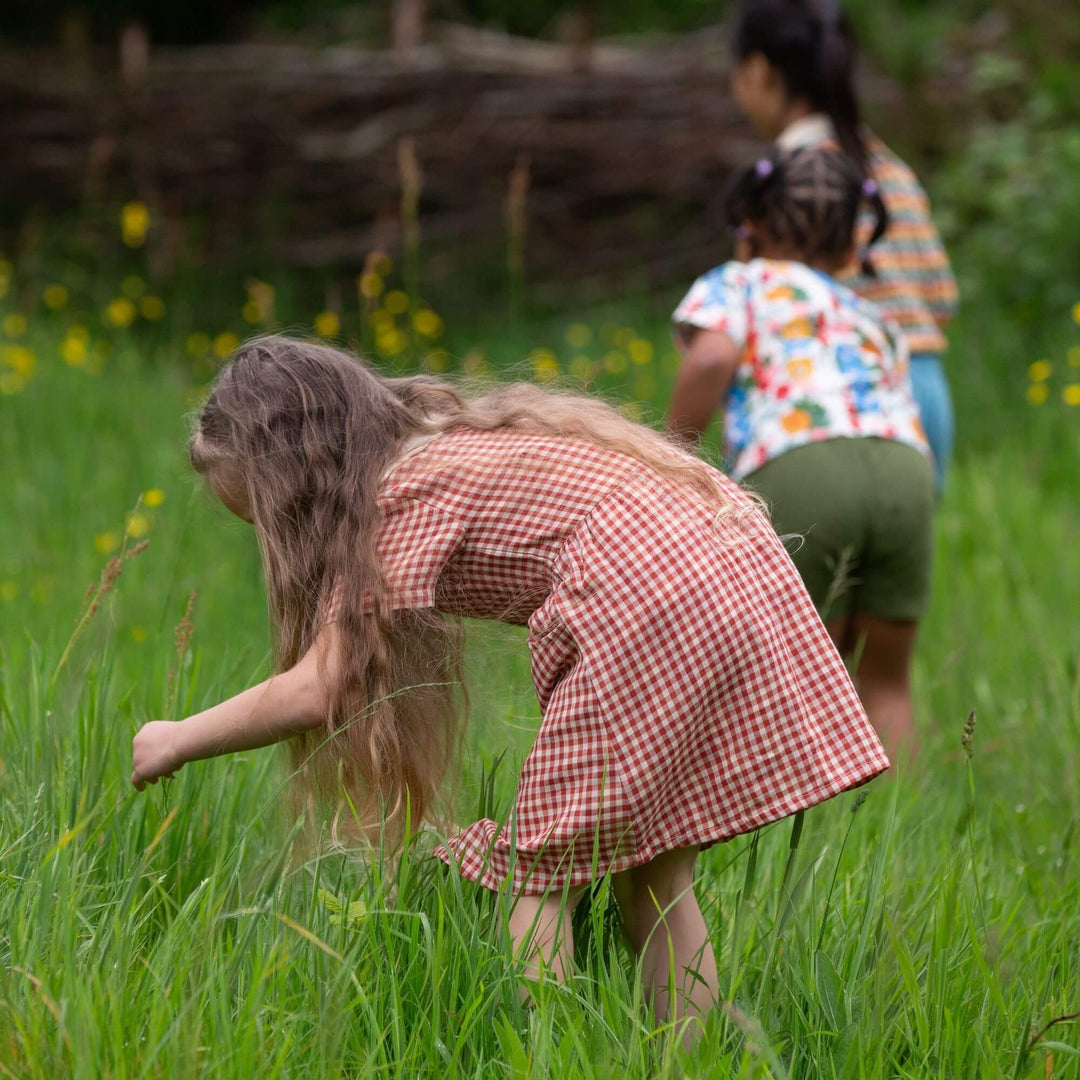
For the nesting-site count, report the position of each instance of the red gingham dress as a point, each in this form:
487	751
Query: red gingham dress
688	689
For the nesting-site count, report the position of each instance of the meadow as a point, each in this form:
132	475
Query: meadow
927	926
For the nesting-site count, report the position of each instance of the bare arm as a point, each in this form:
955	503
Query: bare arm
284	705
710	359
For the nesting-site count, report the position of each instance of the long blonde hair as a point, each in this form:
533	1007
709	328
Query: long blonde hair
312	430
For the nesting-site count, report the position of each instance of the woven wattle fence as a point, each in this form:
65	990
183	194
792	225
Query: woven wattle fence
626	149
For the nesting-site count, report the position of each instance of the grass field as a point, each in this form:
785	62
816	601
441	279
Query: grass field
928	931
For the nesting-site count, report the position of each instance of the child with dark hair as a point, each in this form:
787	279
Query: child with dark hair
819	415
689	691
794	79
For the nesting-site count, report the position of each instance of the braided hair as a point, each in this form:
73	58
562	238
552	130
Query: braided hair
807	202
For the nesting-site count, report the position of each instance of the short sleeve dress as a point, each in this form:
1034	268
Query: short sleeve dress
689	692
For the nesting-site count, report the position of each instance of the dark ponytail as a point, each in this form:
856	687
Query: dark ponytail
812	47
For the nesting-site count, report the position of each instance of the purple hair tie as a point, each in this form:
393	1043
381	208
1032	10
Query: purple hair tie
869	187
763	167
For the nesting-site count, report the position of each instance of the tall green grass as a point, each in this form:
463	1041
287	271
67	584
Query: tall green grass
925	927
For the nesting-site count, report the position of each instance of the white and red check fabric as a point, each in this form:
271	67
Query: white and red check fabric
688	689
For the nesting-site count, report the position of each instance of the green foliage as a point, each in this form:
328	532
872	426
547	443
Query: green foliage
191	931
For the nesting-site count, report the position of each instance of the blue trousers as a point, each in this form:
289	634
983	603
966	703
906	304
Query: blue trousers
936	410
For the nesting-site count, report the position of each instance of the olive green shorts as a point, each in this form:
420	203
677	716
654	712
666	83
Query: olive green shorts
856	514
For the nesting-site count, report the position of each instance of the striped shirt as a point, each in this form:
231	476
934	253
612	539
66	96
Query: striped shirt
914	286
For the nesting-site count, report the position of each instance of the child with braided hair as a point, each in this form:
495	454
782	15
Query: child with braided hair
819	416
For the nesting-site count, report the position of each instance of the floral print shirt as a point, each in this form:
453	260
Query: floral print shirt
817	361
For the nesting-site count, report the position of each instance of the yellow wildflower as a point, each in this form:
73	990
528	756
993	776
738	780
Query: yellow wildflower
153	497
19	358
327	324
644	388
397	302
615	362
1076	312
545	366
14	324
1039	371
641	351
383	265
427	323
390	343
73	350
1074	356
225	343
1037	393
581	368
382	320
578	335
197	344
9	591
437	360
252	311
138	634
370	285
134	223
106	542
138	526
1071	394
623	336
55	297
152	308
133	286
120	312
473	363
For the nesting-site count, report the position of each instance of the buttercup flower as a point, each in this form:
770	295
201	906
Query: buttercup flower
121	312
134	223
152	308
427	323
397	302
106	542
370	285
225	343
55	297
641	351
138	526
578	335
153	497
327	324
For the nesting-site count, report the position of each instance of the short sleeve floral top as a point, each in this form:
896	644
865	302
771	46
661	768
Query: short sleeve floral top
817	361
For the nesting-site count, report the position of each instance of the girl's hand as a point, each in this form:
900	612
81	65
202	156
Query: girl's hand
155	753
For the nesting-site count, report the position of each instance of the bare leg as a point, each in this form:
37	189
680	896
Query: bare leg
883	679
541	932
667	930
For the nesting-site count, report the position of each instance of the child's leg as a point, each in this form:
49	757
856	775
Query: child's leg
667	929
883	680
540	927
